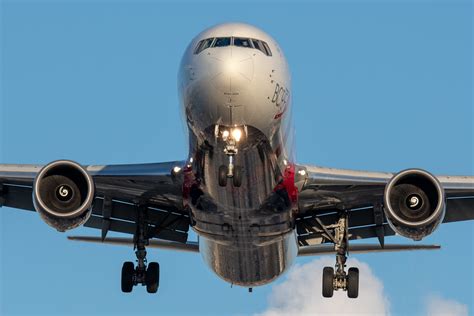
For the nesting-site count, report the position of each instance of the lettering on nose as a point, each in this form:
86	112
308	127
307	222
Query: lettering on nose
281	96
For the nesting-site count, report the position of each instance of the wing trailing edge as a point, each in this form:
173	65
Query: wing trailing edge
362	248
159	244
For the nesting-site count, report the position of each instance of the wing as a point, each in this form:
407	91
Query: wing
325	192
120	190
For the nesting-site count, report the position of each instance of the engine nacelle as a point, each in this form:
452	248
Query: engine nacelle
414	203
63	193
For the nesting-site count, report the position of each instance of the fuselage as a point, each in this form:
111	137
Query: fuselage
235	90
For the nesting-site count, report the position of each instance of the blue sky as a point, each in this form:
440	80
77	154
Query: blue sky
376	85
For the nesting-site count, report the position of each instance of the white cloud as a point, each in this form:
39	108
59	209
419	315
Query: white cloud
438	306
300	293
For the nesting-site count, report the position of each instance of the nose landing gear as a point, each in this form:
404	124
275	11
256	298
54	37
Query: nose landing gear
231	171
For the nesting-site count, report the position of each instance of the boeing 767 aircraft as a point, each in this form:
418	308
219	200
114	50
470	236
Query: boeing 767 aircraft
254	208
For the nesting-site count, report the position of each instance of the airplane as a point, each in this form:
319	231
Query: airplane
252	206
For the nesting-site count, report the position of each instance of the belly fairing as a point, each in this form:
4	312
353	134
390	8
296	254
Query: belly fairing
245	263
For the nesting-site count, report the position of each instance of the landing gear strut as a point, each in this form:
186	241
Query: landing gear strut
340	280
231	171
140	274
236	175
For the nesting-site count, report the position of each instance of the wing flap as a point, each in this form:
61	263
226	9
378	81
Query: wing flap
362	248
369	232
130	228
159	244
459	209
16	196
127	212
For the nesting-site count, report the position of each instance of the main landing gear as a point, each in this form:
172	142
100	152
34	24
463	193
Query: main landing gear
141	273
340	280
230	171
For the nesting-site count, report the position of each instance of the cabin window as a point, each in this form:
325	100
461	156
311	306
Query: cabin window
222	42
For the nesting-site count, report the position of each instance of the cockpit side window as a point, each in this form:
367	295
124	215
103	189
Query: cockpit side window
202	45
267	49
242	42
258	45
222	42
196	49
261	46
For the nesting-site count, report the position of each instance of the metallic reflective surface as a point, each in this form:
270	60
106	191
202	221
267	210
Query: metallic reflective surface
245	263
246	230
241	226
55	217
415	229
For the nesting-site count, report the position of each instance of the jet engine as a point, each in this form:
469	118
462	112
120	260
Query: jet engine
414	203
63	193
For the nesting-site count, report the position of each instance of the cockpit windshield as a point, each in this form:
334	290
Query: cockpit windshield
222	42
233	41
242	42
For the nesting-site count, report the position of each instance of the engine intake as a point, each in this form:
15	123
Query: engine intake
63	193
414	203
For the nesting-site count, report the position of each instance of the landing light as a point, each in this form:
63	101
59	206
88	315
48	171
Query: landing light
302	172
236	134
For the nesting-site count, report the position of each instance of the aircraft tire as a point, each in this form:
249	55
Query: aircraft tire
128	269
222	176
353	283
237	178
152	278
328	284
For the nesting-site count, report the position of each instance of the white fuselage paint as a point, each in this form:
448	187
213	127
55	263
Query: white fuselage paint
241	87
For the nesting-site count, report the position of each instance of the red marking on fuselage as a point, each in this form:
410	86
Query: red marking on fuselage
279	115
288	183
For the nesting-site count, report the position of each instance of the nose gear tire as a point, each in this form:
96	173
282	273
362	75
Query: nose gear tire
222	176
237	178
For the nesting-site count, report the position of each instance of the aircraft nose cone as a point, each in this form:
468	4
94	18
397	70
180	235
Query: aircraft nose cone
231	70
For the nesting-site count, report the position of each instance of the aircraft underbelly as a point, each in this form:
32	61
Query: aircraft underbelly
246	264
246	231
